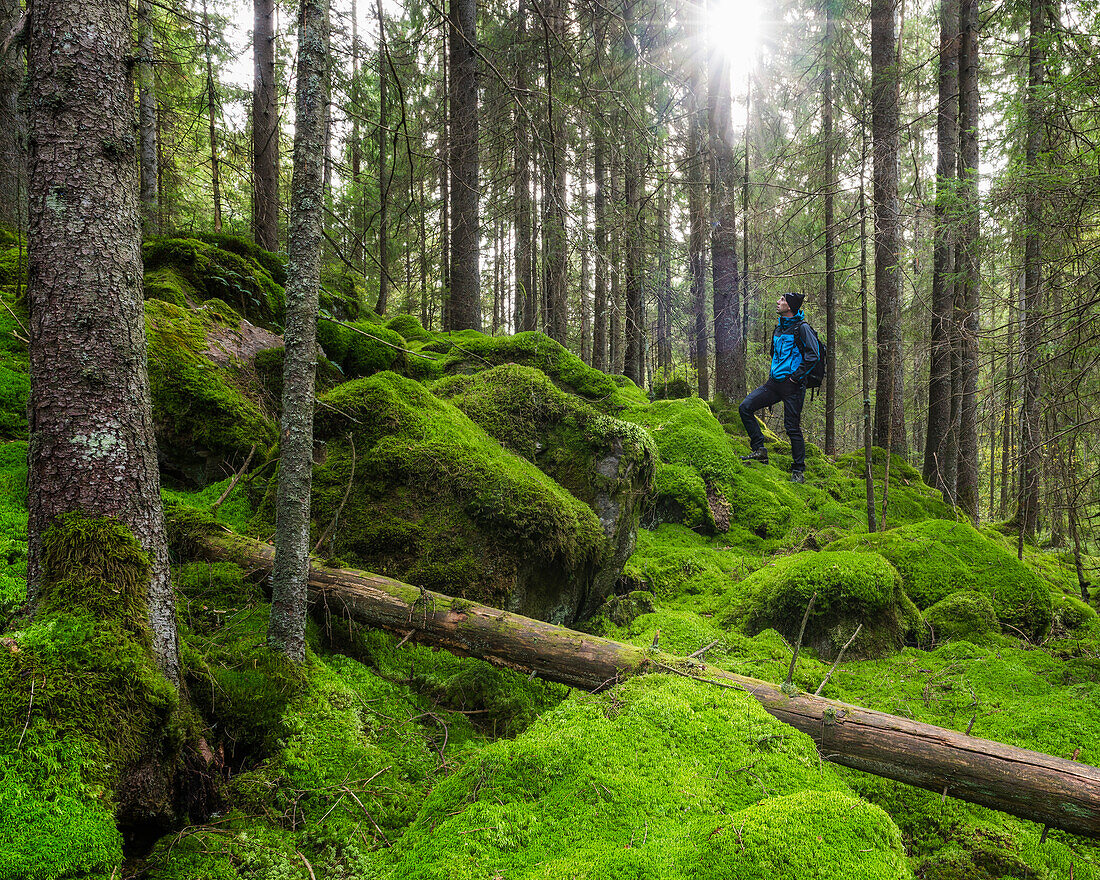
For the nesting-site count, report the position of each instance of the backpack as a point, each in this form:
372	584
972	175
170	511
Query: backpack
816	376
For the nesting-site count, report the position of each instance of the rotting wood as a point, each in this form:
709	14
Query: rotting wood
1042	788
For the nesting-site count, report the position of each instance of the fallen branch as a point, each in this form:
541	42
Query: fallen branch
836	663
233	483
1042	788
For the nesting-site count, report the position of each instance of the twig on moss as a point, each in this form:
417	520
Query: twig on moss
703	650
25	341
233	483
309	867
839	657
339	510
798	644
355	329
26	723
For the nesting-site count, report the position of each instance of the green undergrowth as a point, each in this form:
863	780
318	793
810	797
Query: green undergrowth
648	781
189	271
207	416
14	372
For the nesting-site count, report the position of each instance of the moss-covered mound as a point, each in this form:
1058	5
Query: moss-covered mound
361	348
207	415
605	462
701	481
434	500
470	352
939	557
187	271
649	781
967	615
88	726
851	588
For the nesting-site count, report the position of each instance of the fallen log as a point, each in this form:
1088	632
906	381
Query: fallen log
1054	791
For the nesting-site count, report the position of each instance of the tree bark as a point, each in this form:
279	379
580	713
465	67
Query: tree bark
729	358
889	401
1030	319
147	120
865	333
603	257
526	318
1042	788
92	447
13	154
966	294
697	223
830	232
265	128
384	282
943	255
286	631
555	244
211	108
464	309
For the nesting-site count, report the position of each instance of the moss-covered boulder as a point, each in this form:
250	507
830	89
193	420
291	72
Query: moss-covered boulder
606	463
968	615
409	486
651	781
189	271
361	348
470	352
209	403
701	481
937	558
851	589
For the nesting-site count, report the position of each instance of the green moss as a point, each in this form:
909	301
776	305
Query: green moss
470	352
273	263
361	348
213	273
410	328
14	378
966	614
617	785
13	265
167	285
203	416
809	834
344	294
937	558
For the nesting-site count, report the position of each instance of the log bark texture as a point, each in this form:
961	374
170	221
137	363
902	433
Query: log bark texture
1042	788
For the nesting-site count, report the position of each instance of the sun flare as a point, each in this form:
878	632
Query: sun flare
733	28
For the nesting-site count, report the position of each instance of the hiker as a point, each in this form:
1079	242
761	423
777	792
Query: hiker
795	351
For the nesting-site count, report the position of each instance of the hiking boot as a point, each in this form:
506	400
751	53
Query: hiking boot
798	477
760	455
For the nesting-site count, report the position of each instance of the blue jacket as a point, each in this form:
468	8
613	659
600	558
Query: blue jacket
794	349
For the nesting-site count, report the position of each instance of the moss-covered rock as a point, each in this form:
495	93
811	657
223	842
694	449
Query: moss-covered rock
469	352
967	615
851	588
361	348
434	500
605	462
937	558
198	271
410	328
207	415
631	784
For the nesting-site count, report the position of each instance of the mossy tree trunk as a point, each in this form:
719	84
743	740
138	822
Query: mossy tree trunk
286	632
92	447
1042	788
265	128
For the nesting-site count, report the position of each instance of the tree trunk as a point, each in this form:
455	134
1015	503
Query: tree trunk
384	175
865	327
884	134
664	280
967	288
265	128
358	224
147	119
286	631
13	156
92	447
603	258
1041	788
525	288
729	359
634	358
697	221
830	232
464	309
211	113
555	244
1030	453
943	255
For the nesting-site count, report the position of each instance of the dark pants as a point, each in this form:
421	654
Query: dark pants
767	394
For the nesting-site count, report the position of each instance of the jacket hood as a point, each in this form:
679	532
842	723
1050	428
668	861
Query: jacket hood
785	321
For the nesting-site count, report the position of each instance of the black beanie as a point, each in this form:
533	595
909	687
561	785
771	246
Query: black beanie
794	301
